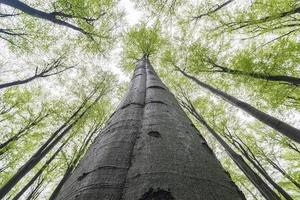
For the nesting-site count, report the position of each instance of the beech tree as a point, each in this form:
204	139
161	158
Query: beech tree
259	183
124	149
66	65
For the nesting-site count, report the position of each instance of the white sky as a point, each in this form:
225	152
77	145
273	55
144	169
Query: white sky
132	16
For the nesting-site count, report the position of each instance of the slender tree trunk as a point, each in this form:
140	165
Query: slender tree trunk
249	190
211	11
255	179
260	168
51	69
284	173
270	180
35	192
40	14
22	132
46	147
149	149
37	175
280	78
273	122
279	169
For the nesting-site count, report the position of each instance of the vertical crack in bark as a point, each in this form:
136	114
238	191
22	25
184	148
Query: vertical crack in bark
148	146
131	154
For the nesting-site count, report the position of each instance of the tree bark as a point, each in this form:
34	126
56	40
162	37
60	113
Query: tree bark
268	178
273	122
46	147
37	175
46	72
253	177
75	160
149	149
51	17
24	131
279	78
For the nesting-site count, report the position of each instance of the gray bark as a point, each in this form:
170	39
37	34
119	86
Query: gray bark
280	126
48	145
250	156
295	81
253	177
51	17
149	149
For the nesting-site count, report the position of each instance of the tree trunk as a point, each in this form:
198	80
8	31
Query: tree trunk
255	179
22	132
40	14
75	160
273	122
37	175
279	78
257	165
149	149
57	189
46	148
280	170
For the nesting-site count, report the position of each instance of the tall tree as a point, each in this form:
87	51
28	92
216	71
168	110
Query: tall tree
273	122
41	170
23	131
281	78
250	156
259	183
52	16
53	139
149	149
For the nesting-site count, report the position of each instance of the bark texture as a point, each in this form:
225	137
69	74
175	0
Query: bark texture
52	17
255	179
280	126
149	149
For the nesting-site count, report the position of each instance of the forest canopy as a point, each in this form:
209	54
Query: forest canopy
233	65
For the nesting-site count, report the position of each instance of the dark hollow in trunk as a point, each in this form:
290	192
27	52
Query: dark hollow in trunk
149	149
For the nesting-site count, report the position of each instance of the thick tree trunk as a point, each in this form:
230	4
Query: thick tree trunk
149	149
75	160
273	122
279	78
255	179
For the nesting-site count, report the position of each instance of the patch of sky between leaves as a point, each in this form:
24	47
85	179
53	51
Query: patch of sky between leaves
132	17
